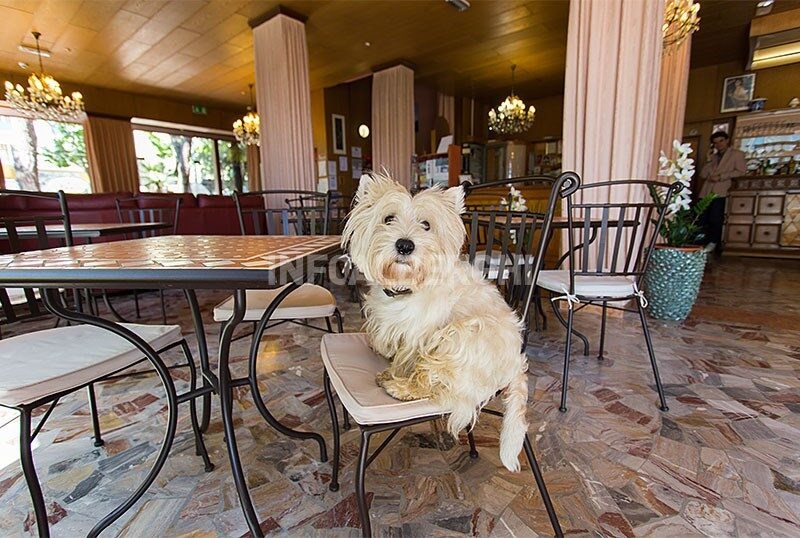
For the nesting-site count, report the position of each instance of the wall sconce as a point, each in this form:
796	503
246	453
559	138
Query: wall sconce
363	131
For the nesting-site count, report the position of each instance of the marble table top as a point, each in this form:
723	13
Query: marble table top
222	262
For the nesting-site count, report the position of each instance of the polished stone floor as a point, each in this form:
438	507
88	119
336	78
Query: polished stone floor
724	461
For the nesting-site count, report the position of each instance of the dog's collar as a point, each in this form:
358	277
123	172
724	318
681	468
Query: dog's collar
395	293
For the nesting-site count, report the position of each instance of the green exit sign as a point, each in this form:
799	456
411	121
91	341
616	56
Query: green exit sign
199	109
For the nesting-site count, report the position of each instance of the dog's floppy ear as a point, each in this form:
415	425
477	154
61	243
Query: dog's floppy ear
455	195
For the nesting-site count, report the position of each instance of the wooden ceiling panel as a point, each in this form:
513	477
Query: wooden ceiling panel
96	14
203	48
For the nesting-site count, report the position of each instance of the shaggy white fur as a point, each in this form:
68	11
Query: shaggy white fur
449	334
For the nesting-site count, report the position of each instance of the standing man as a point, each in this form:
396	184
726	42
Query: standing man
724	164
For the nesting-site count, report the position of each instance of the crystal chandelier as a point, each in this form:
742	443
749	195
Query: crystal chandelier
510	117
247	130
680	21
43	97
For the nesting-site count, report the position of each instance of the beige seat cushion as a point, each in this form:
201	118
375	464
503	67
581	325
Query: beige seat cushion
586	285
307	301
352	367
42	363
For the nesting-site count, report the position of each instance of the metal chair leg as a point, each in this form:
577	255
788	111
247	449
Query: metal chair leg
537	475
136	303
334	486
473	452
163	307
98	439
361	496
563	322
602	332
340	327
29	470
652	354
565	375
199	443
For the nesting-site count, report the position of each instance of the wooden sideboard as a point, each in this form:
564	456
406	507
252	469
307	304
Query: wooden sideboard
763	217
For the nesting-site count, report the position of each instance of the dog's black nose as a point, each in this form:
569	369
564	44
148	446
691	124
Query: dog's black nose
404	246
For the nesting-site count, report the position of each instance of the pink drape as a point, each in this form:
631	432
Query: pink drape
611	93
284	104
673	87
393	122
446	108
254	169
111	154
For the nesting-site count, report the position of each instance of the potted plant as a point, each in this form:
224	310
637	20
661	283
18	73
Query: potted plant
676	265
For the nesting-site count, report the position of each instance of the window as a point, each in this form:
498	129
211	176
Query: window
175	160
43	155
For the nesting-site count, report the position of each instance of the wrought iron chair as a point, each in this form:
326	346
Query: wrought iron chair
539	319
610	244
278	212
41	367
149	209
351	366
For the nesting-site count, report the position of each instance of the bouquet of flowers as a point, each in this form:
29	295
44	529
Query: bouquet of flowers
680	226
514	201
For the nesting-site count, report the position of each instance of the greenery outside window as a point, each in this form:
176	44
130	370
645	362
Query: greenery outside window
43	155
177	160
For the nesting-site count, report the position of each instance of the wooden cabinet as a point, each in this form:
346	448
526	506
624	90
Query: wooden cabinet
763	218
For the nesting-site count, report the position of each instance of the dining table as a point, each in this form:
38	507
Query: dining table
189	263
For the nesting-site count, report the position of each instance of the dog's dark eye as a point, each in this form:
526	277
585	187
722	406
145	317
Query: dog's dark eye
388	219
426	225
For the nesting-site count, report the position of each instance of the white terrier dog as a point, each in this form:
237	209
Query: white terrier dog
448	333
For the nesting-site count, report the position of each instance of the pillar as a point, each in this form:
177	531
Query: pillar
393	121
611	88
283	97
673	87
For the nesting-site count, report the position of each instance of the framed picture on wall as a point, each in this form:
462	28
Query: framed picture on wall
724	126
337	128
737	92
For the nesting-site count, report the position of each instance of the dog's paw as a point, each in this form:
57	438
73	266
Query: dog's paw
382	377
398	391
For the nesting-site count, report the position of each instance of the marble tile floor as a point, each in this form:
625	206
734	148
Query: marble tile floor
724	461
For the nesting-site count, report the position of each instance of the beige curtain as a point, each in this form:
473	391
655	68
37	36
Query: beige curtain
611	93
284	104
673	87
393	122
111	154
446	108
254	168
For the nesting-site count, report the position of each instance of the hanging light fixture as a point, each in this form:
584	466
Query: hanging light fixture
43	97
680	21
511	117
247	130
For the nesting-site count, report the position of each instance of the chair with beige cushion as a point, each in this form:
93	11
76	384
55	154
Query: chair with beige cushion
285	212
41	367
351	366
259	216
613	229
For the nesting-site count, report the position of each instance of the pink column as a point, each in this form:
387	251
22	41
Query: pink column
673	86
611	88
284	102
393	121
611	94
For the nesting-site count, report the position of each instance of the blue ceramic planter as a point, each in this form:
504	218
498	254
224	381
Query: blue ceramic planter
673	280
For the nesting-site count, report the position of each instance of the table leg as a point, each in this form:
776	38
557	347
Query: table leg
209	379
226	405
